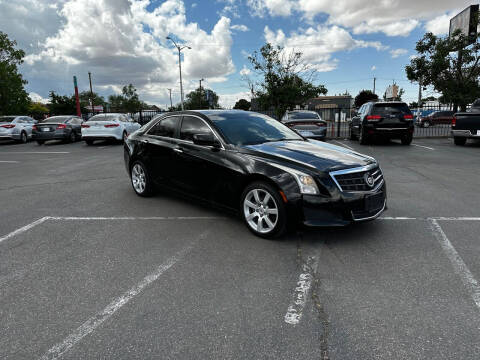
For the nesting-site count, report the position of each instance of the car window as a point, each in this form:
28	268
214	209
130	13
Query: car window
165	127
192	125
387	109
304	115
55	119
7	118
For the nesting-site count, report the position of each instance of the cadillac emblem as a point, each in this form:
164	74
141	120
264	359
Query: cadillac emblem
369	180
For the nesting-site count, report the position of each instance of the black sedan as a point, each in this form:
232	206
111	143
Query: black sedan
67	128
254	164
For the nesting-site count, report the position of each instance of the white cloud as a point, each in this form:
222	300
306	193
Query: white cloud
242	28
117	50
398	52
37	98
439	25
194	5
373	68
317	44
245	71
392	17
228	100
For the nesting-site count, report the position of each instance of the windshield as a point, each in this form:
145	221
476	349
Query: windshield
303	115
103	117
387	109
248	128
55	119
7	118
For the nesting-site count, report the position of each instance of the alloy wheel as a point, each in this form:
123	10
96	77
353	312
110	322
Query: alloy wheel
138	178
260	211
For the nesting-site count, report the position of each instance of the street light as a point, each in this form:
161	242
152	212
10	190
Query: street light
179	48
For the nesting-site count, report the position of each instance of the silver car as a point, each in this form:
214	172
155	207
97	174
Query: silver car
309	124
16	127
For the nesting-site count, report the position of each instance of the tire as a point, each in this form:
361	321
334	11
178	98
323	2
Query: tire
362	137
40	142
406	139
140	179
89	142
23	138
352	135
264	219
460	141
72	138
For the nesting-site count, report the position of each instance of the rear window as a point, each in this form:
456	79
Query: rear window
103	117
303	115
55	119
387	109
7	118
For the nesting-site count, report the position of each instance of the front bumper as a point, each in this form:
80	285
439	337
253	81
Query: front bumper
344	209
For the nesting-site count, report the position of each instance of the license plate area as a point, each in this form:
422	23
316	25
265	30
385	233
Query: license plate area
374	202
45	129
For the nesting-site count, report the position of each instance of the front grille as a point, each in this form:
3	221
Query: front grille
352	180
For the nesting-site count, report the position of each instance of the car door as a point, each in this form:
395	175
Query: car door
200	168
159	143
356	120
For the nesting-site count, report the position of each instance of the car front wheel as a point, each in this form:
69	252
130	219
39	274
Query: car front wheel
263	210
140	180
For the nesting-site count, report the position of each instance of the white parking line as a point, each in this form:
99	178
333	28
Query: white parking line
96	320
459	265
425	147
342	144
8	162
24	228
295	309
34	152
136	218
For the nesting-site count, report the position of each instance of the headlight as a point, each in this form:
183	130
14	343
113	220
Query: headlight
305	182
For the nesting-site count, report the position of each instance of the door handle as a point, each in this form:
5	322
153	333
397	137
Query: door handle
178	150
144	141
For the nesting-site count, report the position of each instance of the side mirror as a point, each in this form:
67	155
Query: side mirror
206	140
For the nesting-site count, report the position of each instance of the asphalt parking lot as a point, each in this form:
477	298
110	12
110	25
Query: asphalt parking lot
89	270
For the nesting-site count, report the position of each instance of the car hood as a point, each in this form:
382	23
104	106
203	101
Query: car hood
311	154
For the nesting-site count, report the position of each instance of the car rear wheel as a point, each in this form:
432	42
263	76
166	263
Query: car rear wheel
23	138
89	142
352	135
140	180
40	142
72	138
461	141
407	139
263	210
362	137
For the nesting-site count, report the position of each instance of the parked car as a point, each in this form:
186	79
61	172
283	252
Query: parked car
436	118
108	127
309	124
63	127
392	120
466	125
254	164
16	127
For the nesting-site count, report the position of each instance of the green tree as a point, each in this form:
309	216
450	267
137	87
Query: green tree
63	104
197	99
116	102
286	79
37	110
363	97
84	98
131	103
449	66
242	104
13	97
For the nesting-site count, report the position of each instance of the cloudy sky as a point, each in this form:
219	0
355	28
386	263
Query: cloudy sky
123	41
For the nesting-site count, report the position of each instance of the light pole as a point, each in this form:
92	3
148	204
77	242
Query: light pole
202	79
179	48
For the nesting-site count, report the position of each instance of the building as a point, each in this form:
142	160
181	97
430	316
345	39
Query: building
330	102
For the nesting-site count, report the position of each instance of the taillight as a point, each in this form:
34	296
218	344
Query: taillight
373	117
454	121
112	125
85	126
61	126
34	127
9	126
408	117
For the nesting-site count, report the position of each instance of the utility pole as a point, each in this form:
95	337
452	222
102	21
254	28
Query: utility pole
179	48
419	94
91	91
374	83
171	104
